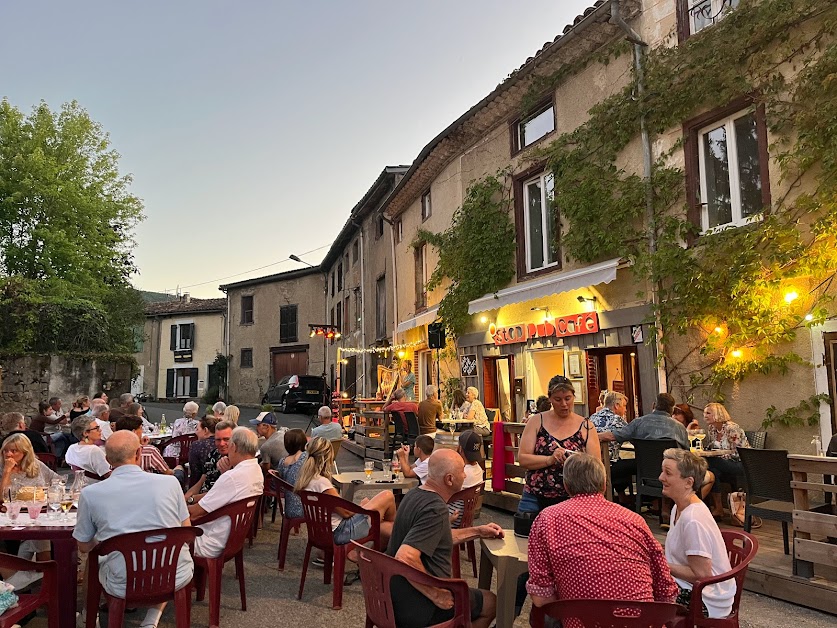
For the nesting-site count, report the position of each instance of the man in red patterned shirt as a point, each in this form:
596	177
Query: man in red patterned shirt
590	548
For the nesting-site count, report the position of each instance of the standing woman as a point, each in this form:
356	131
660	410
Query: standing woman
723	433
408	381
548	438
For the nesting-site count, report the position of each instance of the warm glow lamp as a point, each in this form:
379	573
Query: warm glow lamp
791	296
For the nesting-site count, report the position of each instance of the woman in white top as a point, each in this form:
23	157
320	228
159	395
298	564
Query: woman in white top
187	424
315	476
694	546
476	412
85	454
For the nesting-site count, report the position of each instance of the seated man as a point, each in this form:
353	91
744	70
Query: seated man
15	423
151	460
130	500
272	451
216	463
610	418
657	425
422	449
243	480
422	537
327	428
587	547
401	404
429	411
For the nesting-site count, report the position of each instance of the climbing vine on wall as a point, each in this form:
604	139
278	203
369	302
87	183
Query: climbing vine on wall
744	291
476	253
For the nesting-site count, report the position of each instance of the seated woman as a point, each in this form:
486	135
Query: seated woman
289	468
187	424
19	468
723	433
346	526
85	455
201	448
694	546
476	412
683	413
459	403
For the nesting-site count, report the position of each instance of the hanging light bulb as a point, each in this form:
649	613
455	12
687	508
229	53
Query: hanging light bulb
791	296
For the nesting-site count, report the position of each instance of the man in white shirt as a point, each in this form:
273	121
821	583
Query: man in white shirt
100	411
243	480
327	428
131	500
422	449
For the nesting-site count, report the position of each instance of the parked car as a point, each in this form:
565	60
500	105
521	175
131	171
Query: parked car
295	391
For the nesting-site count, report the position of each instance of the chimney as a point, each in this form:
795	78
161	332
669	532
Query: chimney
187	298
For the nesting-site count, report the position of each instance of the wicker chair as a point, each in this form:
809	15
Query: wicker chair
757	440
769	494
649	461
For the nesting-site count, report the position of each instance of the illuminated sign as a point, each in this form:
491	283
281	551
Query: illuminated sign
575	325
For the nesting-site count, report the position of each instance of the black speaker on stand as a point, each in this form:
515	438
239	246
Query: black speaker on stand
436	335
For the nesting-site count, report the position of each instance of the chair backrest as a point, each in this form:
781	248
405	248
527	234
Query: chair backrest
47	459
150	561
376	573
271	483
241	515
184	443
607	613
767	472
757	440
335	448
649	459
284	487
412	425
399	423
317	508
469	497
490	413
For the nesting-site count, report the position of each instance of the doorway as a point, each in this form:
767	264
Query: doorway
830	363
289	362
498	386
615	370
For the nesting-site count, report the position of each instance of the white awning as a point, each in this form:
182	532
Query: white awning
603	272
428	316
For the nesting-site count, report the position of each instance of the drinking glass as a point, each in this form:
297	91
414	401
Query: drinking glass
387	470
699	436
396	467
54	499
368	466
34	509
451	428
66	503
13	510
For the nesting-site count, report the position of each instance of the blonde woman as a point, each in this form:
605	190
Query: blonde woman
231	414
476	412
723	433
315	476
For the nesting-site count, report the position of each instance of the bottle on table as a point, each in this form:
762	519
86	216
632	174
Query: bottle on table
163	424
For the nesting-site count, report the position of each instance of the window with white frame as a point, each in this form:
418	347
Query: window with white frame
426	206
705	13
540	222
730	171
532	128
399	231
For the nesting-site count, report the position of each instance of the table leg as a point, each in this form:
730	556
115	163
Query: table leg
506	593
348	492
486	569
66	556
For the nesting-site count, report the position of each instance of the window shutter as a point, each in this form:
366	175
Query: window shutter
192	336
173	345
193	383
169	383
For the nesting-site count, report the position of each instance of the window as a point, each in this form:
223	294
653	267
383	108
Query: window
181	383
340	277
421	275
381	307
332	283
379	226
246	358
339	316
727	168
247	310
350	325
695	15
355	251
358	309
399	231
288	324
426	206
540	225
532	128
182	336
139	338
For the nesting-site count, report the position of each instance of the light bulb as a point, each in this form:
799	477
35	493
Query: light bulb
791	296
809	317
483	319
718	330
737	353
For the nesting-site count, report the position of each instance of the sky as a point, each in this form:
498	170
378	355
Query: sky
252	128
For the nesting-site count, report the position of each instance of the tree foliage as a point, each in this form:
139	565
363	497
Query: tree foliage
66	235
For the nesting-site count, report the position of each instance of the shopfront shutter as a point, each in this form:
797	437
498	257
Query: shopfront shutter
173	344
193	383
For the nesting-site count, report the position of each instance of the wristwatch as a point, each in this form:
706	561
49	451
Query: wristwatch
191	500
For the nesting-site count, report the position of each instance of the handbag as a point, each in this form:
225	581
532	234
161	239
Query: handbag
7	597
738	508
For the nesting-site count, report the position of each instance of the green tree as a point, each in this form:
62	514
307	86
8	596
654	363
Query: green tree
66	234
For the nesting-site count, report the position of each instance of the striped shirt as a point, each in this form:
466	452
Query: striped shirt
152	461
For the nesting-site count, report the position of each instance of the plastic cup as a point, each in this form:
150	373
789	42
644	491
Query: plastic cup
13	510
34	509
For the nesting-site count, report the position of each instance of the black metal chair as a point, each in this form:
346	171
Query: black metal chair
412	427
757	440
400	424
649	462
831	452
769	493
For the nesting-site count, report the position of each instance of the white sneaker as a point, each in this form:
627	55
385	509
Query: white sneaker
81	619
22	579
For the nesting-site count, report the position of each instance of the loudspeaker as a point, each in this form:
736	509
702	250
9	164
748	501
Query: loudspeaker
436	335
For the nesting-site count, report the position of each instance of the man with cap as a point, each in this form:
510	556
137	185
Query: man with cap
272	451
470	448
327	428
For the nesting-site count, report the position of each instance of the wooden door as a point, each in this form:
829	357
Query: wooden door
290	363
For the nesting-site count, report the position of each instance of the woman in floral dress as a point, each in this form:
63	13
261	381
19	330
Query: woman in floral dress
723	433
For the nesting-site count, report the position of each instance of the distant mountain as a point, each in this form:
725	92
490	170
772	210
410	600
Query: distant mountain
156	297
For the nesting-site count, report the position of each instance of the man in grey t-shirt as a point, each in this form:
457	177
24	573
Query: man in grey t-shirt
272	450
657	425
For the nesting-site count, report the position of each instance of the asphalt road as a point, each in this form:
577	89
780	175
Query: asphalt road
173	411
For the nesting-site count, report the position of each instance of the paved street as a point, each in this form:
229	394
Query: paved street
175	411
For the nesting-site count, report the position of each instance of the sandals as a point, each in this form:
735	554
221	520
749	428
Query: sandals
351	577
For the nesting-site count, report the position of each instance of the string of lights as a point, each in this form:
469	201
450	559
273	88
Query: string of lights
380	350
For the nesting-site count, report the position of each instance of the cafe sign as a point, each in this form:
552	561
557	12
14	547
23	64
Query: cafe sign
575	325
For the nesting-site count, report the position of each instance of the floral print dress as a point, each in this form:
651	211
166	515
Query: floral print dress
728	436
548	483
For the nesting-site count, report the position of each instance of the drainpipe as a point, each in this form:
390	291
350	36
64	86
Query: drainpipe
363	305
394	280
227	349
639	54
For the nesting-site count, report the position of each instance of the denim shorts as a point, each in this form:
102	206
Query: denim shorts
351	529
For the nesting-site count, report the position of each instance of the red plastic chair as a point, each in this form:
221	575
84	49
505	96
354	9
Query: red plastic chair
270	490
29	602
609	613
151	568
317	508
376	572
288	523
241	515
741	549
50	460
184	442
469	496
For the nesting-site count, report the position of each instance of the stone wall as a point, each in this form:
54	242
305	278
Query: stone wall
28	380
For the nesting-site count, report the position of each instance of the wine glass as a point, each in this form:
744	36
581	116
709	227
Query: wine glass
451	428
13	510
54	499
33	508
700	434
66	503
368	466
